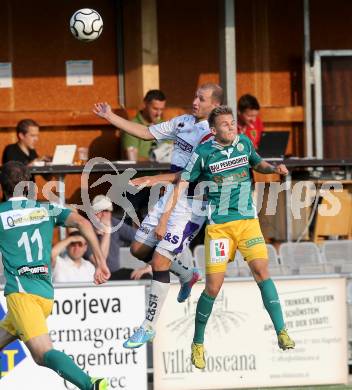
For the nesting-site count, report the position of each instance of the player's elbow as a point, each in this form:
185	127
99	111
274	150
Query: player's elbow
147	135
83	225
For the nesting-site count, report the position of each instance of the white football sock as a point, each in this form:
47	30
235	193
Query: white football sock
183	272
157	296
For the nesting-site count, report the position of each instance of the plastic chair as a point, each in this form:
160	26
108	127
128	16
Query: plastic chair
303	258
338	254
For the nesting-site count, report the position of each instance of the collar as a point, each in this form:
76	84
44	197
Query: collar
234	143
141	119
199	121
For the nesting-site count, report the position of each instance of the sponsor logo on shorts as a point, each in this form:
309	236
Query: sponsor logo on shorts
144	229
183	145
254	241
219	250
171	238
228	164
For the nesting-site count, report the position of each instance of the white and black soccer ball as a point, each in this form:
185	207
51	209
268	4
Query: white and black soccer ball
86	24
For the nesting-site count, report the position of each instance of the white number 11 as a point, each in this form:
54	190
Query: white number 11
24	240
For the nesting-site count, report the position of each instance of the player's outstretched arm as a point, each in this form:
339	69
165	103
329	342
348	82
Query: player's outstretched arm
266	168
150	181
102	273
104	111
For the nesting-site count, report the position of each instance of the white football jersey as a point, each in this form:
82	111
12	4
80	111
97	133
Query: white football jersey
186	134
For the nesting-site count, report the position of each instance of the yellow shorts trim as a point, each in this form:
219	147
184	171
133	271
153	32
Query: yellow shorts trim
222	241
26	315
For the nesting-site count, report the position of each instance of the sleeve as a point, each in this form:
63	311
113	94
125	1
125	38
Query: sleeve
165	130
127	233
129	140
253	158
59	213
194	168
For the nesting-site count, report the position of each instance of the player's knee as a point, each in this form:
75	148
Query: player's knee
136	251
260	273
38	357
212	289
161	259
160	263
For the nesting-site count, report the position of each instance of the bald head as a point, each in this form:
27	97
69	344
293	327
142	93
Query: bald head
208	96
217	93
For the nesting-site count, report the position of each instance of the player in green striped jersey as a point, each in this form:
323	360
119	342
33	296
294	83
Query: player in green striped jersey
223	164
26	232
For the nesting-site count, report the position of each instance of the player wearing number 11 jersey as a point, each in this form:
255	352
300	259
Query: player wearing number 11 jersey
26	230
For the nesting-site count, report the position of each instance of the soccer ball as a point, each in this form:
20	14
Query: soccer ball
86	24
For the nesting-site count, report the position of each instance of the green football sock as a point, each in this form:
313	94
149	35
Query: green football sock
204	308
272	303
66	367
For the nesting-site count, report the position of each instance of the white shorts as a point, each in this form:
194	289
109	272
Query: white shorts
183	225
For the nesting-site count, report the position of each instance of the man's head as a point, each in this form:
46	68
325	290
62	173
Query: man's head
102	205
248	109
13	173
77	247
28	133
154	105
208	96
223	125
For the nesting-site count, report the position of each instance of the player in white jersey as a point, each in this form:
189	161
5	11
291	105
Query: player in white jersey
187	131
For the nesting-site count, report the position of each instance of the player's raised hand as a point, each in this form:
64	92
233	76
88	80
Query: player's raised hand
102	109
281	170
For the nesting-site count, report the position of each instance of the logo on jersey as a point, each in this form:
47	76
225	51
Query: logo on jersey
227	153
35	270
11	355
183	145
228	164
240	147
219	250
25	217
